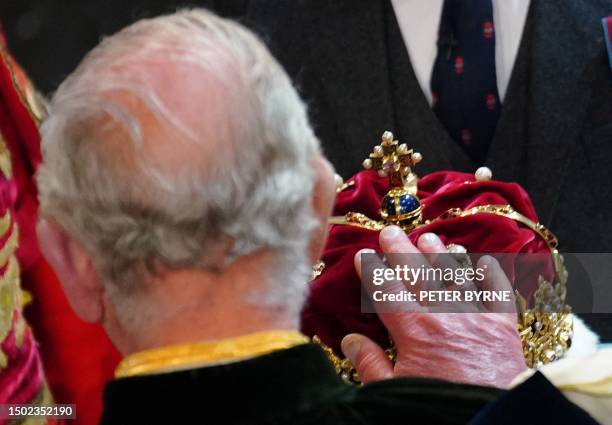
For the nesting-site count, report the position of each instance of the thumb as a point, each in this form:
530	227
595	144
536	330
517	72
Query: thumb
369	359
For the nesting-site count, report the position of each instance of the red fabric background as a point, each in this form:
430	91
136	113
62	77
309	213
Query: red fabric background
78	357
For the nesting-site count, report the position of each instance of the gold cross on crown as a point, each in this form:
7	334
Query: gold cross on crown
395	161
400	205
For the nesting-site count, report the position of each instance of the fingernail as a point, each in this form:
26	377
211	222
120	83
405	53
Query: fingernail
430	239
350	347
488	261
366	251
391	232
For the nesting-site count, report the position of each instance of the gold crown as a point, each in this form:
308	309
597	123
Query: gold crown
546	329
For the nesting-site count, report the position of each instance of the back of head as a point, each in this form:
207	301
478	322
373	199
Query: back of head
179	142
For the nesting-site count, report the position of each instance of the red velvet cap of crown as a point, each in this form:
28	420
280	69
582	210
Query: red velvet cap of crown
334	305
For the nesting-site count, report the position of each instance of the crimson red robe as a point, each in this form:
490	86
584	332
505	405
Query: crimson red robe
78	357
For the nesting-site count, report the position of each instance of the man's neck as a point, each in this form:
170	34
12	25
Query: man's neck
188	306
230	321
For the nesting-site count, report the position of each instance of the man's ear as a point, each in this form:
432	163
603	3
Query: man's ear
74	269
323	197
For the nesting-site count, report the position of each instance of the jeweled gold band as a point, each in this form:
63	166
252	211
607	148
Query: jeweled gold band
545	335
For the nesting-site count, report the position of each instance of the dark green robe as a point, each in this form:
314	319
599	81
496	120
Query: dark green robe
295	386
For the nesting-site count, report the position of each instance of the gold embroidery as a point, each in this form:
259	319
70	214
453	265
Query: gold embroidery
190	355
9	295
9	246
28	96
5	222
5	159
10	292
19	329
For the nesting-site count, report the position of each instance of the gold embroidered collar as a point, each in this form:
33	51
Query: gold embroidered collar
185	356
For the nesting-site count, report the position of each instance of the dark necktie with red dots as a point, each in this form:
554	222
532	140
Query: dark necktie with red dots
464	80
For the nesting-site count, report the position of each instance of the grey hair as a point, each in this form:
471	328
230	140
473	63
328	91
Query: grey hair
246	176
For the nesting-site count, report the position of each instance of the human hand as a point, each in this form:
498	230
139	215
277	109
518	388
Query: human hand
476	348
